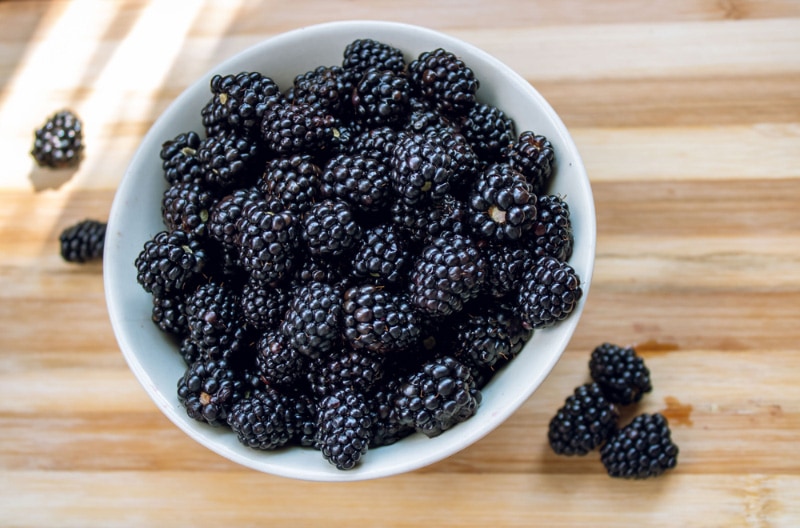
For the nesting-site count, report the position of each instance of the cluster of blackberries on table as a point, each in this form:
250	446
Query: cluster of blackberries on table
348	260
588	420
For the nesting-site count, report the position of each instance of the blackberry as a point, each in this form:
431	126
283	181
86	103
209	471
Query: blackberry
214	121
506	266
278	363
382	256
386	426
549	292
263	305
293	181
640	450
466	165
330	229
225	214
502	204
243	99
552	231
489	337
425	118
359	370
179	159
488	130
297	128
213	316
440	395
344	428
267	241
448	215
327	88
378	320
185	206
208	390
229	160
264	420
365	54
169	314
422	169
58	143
620	372
450	271
375	143
83	241
444	79
585	421
190	351
318	269
362	182
312	322
533	156
169	262
381	98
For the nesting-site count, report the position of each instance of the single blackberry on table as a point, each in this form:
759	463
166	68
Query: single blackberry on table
488	130
422	169
209	388
443	78
297	128
386	426
313	321
83	241
169	314
437	397
230	160
375	143
213	315
448	215
489	337
506	265
225	213
266	419
327	88
533	155
365	54
584	423
263	305
278	363
267	241
185	206
292	180
344	428
359	370
383	255
170	261
362	182
552	232
243	99
179	158
450	271
502	205
379	320
381	98
549	292
330	229
640	450
58	143
620	372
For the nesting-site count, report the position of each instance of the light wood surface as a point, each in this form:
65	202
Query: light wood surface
687	114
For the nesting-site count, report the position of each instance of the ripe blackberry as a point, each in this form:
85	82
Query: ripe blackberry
365	54
344	428
489	337
214	122
58	143
327	88
312	322
448	215
552	231
450	271
169	261
190	351
549	292
466	165
585	421
293	181
488	130
267	241
443	78
502	204
422	169
620	372
225	213
359	370
169	314
424	117
386	426
278	363
362	182
213	316
378	320
330	229
208	390
297	128
440	395
83	241
381	98
506	266
243	99
382	256
179	158
264	420
533	155
185	206
640	450
375	143
318	269
263	305
229	160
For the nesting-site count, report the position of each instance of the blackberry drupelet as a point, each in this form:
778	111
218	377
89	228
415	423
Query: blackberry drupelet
267	241
549	292
344	428
243	99
506	265
225	213
264	420
450	271
359	370
620	372
169	262
169	314
488	130
362	182
213	315
230	159
185	206
297	128
552	231
365	54
278	364
327	88
58	143
584	423
329	228
83	241
263	306
179	158
422	169
379	320
440	395
313	321
383	255
640	450
381	98
443	78
293	181
502	204
208	390
533	155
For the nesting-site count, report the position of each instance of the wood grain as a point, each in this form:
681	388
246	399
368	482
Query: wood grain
687	115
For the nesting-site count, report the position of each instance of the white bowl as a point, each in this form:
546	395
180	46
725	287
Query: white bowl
135	218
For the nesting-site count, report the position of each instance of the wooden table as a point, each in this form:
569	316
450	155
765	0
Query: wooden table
687	114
